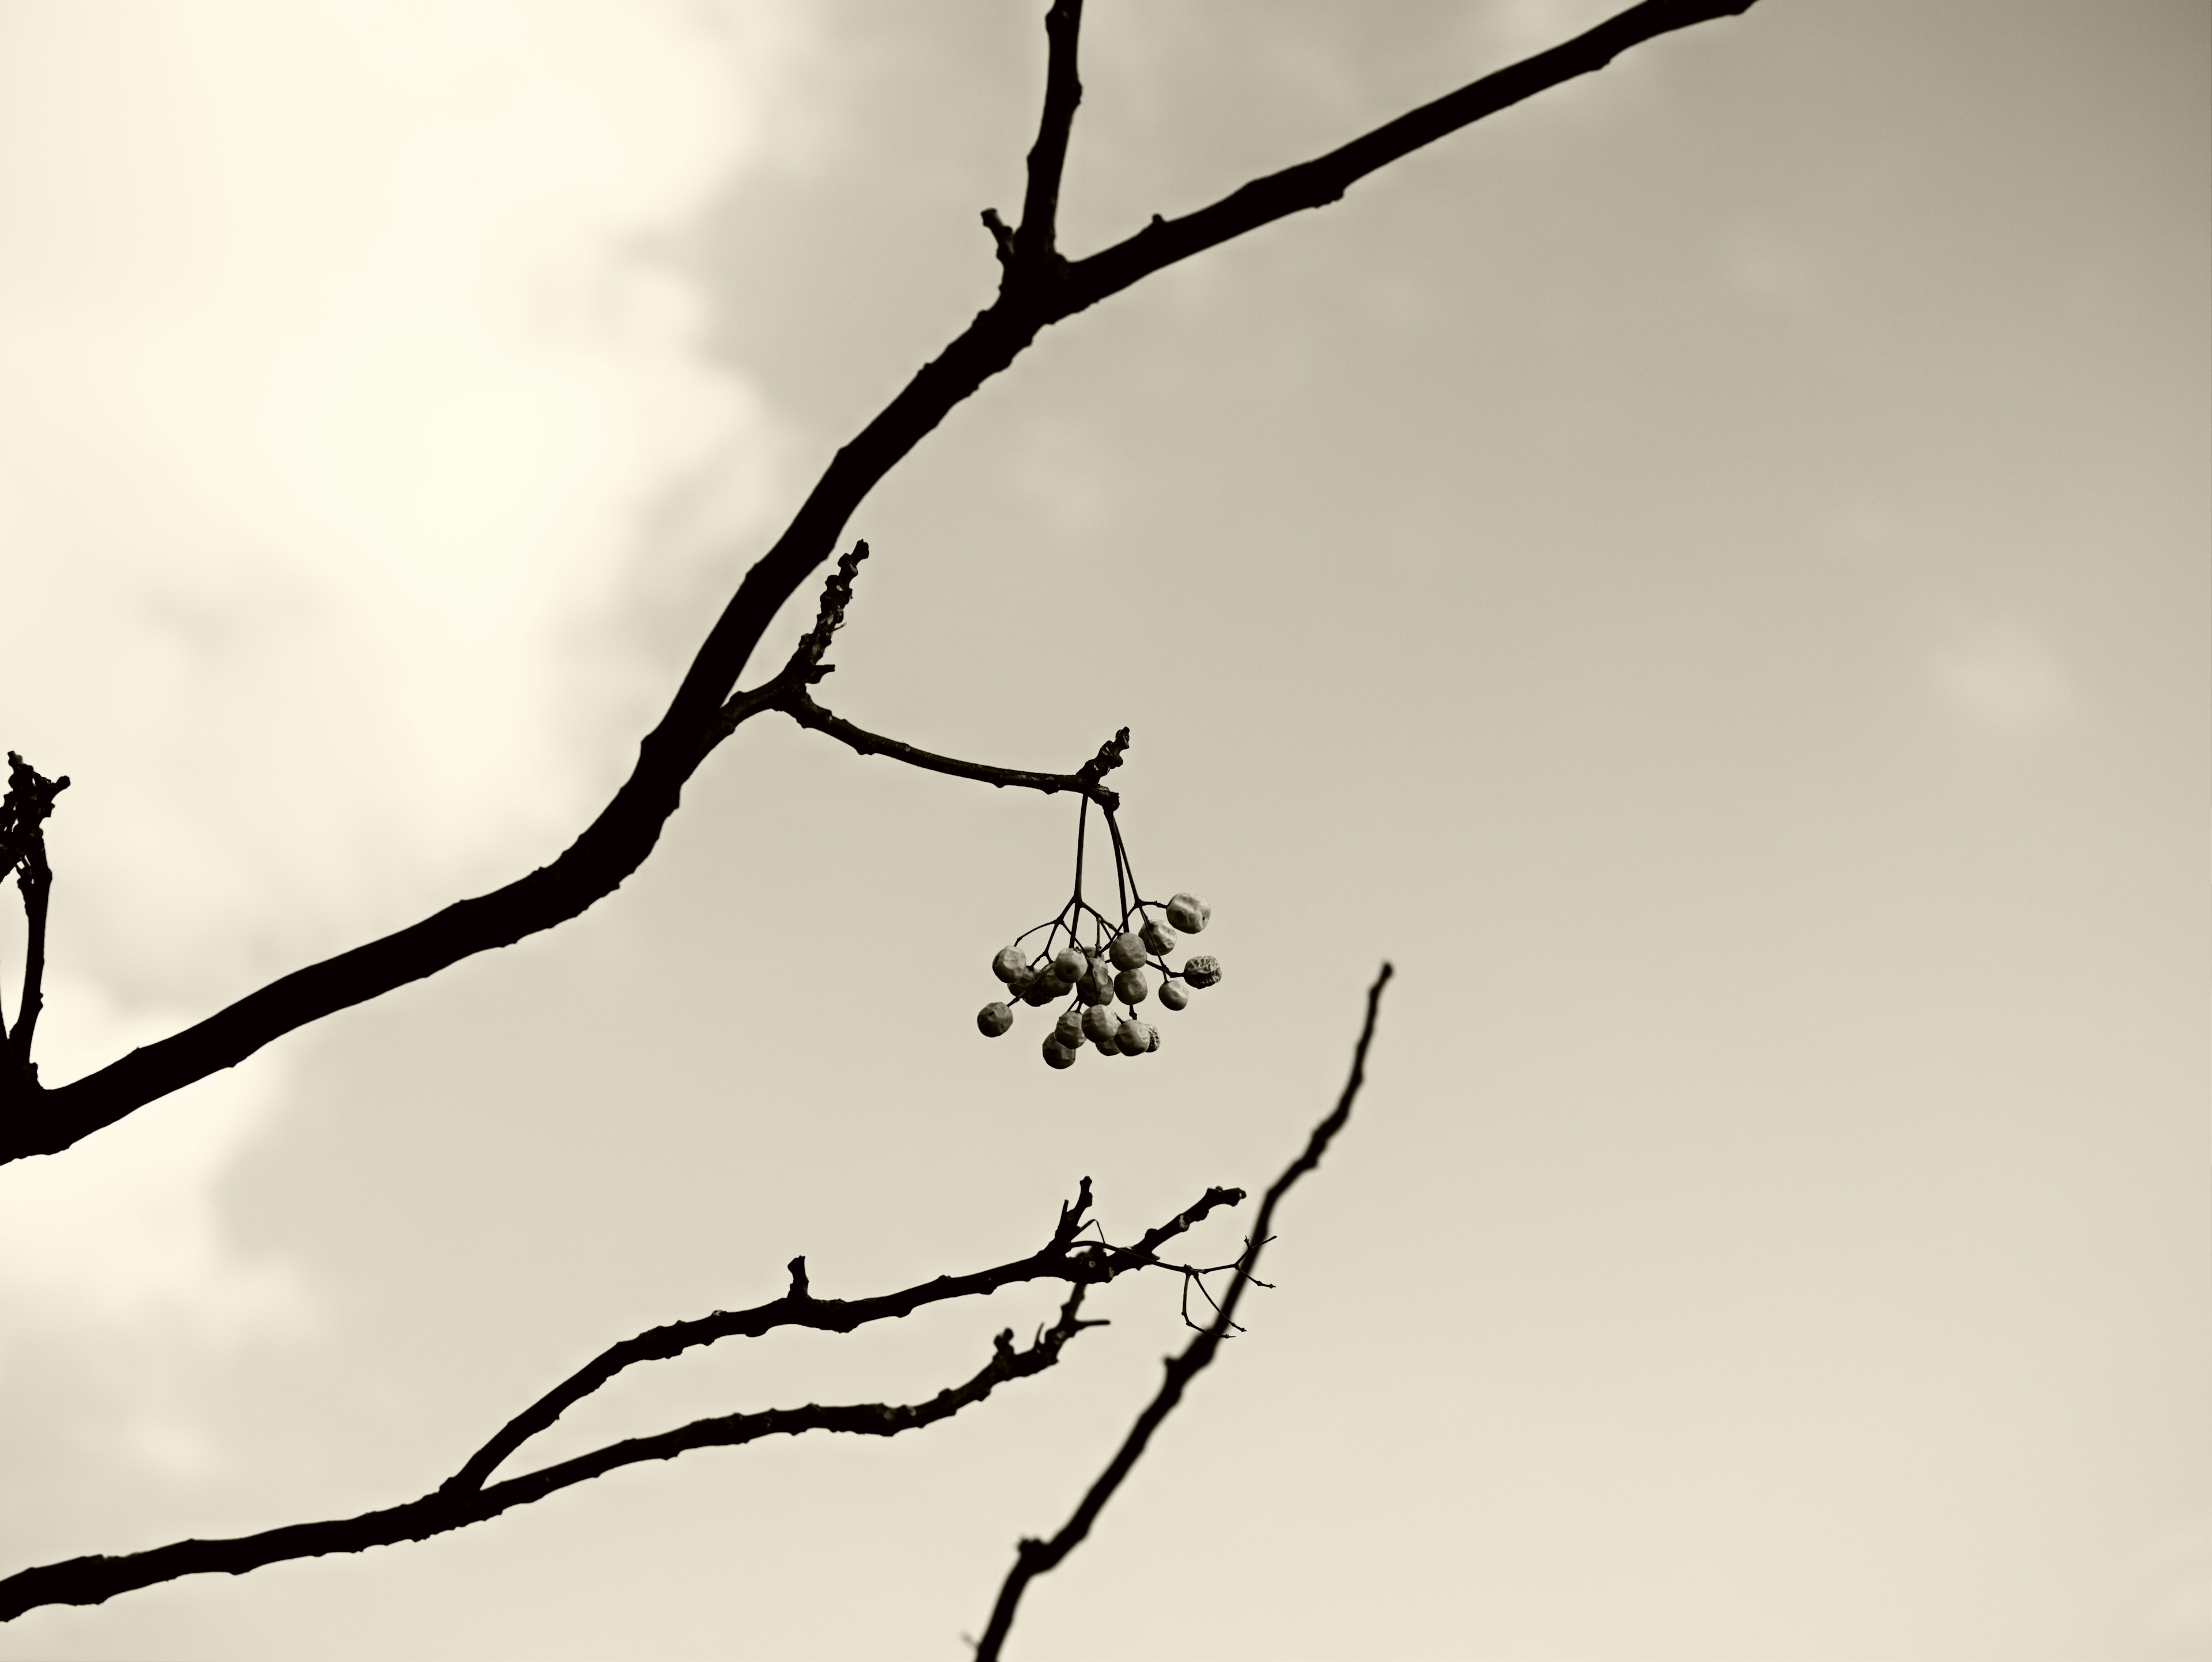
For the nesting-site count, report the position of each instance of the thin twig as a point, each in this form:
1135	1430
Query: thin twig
800	705
93	1581
1059	1259
467	1498
1035	1558
618	841
23	814
789	693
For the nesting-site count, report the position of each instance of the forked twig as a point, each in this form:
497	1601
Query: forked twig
468	1498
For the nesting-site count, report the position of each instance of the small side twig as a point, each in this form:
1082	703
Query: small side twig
1033	1558
789	693
24	813
1034	242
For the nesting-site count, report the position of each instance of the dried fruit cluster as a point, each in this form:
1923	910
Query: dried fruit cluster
1096	963
1099	975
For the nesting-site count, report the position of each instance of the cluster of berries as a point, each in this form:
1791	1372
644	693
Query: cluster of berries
1111	969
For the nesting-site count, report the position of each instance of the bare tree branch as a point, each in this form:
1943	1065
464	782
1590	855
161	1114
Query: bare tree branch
1033	247
1035	1558
802	708
23	814
627	829
95	1579
465	1498
1059	1258
789	693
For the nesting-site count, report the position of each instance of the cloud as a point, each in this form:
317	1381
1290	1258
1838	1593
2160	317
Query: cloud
337	392
125	1232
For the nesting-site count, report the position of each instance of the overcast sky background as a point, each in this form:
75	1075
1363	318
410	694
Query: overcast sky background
1708	572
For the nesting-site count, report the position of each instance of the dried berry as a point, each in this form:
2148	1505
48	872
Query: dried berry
1097	983
1152	1037
1132	987
1069	1030
1070	965
1057	1055
1130	1039
1173	995
1127	952
1156	936
1202	971
1100	1024
993	1019
1009	965
1188	913
1039	993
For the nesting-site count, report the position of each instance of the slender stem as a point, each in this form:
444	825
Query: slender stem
800	705
1082	820
34	879
1035	1558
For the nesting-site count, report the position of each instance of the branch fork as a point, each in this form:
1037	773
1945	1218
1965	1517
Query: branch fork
469	1495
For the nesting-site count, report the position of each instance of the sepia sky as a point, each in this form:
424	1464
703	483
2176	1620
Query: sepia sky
1707	572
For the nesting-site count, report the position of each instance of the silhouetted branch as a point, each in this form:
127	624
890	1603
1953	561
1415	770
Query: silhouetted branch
789	693
1035	1558
616	843
1033	249
802	708
1317	183
1059	1258
466	1498
24	813
93	1581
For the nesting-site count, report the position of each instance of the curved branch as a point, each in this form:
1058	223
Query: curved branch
1033	1558
1059	1258
465	1498
801	708
94	1579
618	841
